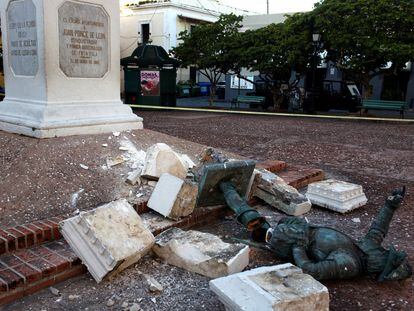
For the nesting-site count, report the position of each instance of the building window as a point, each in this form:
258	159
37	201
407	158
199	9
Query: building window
145	33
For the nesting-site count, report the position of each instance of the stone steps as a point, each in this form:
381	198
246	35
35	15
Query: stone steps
28	270
24	236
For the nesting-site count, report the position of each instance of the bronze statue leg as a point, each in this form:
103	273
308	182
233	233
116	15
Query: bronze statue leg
380	226
381	223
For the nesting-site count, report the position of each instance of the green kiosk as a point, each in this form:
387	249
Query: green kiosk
150	77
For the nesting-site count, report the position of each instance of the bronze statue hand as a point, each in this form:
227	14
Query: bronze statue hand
394	201
400	192
302	239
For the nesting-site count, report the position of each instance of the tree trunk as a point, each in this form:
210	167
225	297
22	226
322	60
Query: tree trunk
277	98
212	94
366	87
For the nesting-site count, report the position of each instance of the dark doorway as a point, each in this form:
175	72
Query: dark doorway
145	33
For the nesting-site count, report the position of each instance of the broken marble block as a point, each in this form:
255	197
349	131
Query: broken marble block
200	252
134	177
338	196
108	239
282	288
173	197
162	159
276	192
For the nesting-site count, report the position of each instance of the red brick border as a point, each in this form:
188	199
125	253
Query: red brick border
28	270
273	166
24	236
299	177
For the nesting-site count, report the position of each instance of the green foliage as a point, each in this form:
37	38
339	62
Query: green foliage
362	36
277	49
206	46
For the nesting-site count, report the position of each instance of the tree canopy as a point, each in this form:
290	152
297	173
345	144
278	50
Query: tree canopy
209	48
362	36
275	50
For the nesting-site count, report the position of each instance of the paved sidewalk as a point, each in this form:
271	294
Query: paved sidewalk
201	102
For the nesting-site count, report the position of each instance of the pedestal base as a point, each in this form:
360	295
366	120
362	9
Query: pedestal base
45	120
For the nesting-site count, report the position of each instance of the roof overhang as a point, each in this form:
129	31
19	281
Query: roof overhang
192	19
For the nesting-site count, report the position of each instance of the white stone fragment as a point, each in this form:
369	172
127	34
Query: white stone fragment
110	162
161	159
84	166
134	177
188	161
54	291
336	195
152	183
74	198
153	284
200	252
276	192
73	297
110	303
283	288
108	239
135	157
173	197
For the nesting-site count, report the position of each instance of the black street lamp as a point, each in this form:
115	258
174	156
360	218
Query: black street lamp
316	38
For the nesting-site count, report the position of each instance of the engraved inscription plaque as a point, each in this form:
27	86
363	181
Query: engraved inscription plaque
83	40
22	37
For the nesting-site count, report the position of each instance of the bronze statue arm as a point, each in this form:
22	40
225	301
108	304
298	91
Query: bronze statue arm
338	265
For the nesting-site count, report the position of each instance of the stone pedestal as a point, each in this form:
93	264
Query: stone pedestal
61	64
336	195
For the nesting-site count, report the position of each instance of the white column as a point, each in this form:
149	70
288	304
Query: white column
61	65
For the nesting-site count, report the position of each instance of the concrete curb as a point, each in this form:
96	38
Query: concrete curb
269	114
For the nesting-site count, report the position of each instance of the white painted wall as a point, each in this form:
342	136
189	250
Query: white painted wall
166	23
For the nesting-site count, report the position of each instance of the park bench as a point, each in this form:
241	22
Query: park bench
373	104
248	99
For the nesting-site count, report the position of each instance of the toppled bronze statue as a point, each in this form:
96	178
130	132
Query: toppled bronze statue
322	252
326	253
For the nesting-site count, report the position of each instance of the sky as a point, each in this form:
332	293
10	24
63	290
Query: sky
276	6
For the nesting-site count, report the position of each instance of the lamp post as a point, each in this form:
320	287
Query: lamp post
316	38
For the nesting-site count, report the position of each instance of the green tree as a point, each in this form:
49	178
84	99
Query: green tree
275	51
363	36
208	48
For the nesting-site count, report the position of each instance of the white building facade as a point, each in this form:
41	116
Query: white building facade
161	22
